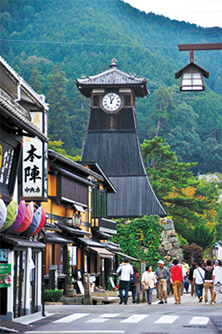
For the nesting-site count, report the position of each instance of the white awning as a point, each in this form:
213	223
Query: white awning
79	207
102	252
125	255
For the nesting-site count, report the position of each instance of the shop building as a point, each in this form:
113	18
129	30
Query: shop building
77	224
23	125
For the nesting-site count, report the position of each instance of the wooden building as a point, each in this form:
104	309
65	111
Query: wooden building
112	141
77	221
21	286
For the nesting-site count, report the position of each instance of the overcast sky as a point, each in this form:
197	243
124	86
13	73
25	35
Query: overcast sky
204	13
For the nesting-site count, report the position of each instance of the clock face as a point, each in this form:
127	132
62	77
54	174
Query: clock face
111	102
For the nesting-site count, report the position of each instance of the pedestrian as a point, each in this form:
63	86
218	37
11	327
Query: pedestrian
186	268
148	281
217	279
184	277
190	278
125	271
163	276
198	279
120	265
133	283
177	279
171	283
208	282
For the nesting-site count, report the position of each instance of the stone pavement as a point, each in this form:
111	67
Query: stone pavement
22	324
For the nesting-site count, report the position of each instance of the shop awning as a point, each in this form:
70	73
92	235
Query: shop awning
102	252
103	235
74	231
56	238
112	247
100	234
125	255
79	207
21	243
90	242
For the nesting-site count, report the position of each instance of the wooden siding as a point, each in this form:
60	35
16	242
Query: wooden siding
134	197
116	153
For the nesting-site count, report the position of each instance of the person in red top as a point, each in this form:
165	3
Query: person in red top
177	279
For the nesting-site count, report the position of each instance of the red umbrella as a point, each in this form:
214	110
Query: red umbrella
34	224
41	224
28	218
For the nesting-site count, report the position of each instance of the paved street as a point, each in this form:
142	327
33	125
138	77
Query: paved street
189	317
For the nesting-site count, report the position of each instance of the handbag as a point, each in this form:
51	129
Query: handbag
146	286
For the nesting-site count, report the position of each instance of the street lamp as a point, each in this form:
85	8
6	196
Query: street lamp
192	74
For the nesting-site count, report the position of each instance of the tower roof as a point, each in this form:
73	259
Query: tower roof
113	78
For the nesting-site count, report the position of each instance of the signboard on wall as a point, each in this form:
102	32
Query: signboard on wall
3	254
9	158
5	275
34	164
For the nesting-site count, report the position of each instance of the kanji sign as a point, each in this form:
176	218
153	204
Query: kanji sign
34	178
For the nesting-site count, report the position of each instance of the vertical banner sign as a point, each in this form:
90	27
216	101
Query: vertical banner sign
5	275
33	164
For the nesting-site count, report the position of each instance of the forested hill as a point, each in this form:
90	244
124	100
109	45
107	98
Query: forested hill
81	37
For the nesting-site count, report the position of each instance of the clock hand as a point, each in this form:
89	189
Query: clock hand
111	99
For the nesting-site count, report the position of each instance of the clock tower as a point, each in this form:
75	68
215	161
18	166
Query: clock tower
112	141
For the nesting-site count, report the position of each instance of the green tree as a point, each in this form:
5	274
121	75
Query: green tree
202	236
57	147
36	80
164	106
174	185
59	120
183	137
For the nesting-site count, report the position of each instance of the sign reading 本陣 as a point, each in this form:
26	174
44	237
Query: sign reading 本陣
34	164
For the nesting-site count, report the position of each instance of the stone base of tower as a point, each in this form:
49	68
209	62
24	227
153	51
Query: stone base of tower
169	246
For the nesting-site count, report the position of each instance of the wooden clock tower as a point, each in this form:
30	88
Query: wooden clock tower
112	141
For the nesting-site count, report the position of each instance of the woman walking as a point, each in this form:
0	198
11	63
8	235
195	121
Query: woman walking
149	282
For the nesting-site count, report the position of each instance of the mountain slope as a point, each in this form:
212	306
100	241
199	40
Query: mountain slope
82	37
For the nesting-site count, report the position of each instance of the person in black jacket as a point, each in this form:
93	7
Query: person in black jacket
208	282
190	278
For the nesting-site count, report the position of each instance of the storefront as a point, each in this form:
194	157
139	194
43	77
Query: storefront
23	141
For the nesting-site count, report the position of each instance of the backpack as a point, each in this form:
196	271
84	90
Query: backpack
132	279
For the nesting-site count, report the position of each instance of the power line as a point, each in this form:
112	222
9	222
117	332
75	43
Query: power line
89	44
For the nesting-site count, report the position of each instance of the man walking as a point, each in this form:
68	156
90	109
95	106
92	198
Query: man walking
217	279
162	276
125	271
186	268
208	283
198	279
192	268
177	279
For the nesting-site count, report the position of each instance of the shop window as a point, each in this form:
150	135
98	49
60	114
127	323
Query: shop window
103	206
95	201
